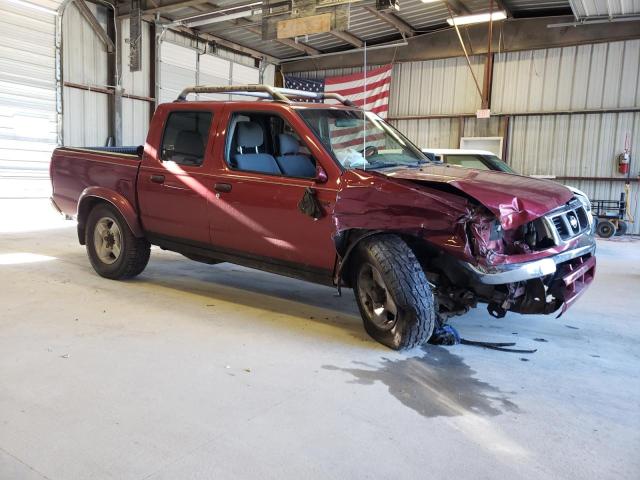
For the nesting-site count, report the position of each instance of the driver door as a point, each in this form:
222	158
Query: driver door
255	212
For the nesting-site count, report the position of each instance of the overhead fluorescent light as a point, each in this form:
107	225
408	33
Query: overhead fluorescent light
431	1
478	18
33	6
222	18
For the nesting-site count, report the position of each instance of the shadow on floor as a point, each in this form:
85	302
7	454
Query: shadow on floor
436	384
249	288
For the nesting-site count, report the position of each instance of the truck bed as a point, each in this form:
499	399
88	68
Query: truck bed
75	169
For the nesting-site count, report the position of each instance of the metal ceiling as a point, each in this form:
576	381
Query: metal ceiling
586	9
364	24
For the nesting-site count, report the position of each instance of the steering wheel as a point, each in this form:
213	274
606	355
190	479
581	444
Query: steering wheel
369	151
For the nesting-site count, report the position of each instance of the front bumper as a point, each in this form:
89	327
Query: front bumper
576	277
521	272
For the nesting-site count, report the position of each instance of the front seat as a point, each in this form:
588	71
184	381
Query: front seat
188	148
291	162
249	137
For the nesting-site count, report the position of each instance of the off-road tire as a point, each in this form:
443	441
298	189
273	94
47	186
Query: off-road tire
622	228
605	229
134	253
407	284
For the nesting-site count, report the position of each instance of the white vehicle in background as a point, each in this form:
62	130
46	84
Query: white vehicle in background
485	160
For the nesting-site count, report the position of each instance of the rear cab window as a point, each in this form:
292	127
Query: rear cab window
185	137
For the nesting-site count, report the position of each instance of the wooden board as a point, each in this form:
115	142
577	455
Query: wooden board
297	27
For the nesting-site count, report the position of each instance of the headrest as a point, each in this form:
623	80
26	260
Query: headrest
288	144
250	134
189	142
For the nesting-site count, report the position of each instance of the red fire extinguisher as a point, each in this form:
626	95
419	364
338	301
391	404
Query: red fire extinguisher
624	158
623	163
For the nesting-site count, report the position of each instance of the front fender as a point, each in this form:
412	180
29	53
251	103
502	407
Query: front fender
92	195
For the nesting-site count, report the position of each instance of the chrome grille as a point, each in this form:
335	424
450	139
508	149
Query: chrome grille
569	221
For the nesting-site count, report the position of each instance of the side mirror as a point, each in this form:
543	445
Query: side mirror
140	151
321	175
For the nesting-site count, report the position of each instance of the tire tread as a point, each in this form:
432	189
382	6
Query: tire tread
136	250
408	282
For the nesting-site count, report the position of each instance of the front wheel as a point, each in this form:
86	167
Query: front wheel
112	248
393	294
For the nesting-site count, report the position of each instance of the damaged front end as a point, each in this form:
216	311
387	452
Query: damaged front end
507	254
539	267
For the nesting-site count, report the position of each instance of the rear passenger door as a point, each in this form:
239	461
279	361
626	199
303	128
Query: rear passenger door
172	183
265	170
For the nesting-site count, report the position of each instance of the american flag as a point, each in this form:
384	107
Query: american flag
370	91
305	84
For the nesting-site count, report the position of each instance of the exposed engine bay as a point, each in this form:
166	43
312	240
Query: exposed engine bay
457	291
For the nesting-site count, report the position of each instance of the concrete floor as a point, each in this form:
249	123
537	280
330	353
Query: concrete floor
201	372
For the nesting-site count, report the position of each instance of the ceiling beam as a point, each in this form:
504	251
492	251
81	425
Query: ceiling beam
458	7
95	25
251	27
389	18
174	6
150	12
223	42
347	37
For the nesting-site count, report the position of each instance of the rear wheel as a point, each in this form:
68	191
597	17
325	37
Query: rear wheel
393	294
112	248
605	229
622	228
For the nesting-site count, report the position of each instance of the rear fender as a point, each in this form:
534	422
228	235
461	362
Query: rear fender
94	195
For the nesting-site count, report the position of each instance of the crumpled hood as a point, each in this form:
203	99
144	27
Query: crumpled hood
514	199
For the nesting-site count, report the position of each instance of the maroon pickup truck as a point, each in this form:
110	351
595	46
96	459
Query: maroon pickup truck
329	193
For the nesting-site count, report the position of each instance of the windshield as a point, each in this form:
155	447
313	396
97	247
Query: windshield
497	164
360	139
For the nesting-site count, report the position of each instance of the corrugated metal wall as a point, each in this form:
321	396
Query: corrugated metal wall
85	113
135	113
435	133
183	62
178	68
580	145
435	86
599	76
27	98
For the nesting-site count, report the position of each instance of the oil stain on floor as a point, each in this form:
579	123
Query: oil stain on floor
436	384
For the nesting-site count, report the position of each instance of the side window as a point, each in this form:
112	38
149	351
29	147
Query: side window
467	161
266	143
185	137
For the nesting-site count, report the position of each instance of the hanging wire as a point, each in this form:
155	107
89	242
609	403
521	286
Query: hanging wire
464	49
364	104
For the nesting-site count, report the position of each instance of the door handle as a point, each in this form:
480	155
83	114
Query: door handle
222	187
157	178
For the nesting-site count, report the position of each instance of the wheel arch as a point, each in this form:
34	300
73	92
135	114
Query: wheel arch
93	196
347	241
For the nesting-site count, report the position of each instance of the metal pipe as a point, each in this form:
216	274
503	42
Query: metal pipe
593	21
354	50
516	114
